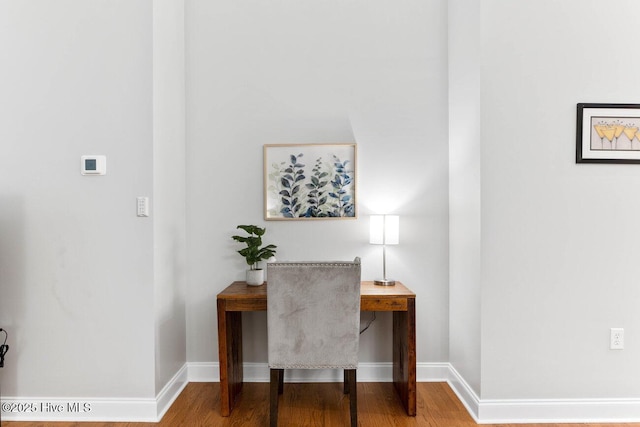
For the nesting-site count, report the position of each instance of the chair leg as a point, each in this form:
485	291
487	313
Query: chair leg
280	381
353	396
345	381
274	384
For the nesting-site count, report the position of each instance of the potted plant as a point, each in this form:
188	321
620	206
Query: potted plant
254	253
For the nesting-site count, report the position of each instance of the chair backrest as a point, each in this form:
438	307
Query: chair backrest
313	314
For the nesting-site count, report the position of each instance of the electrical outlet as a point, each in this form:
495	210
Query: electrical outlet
617	339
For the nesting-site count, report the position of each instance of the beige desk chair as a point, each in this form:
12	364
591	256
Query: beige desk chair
313	317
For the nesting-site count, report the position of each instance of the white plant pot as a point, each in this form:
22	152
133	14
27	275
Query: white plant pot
255	277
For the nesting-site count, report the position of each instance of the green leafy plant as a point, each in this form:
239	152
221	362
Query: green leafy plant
254	253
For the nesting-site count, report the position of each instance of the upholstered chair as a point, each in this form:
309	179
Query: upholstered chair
313	318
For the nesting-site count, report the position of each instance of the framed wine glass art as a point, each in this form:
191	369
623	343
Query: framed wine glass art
608	133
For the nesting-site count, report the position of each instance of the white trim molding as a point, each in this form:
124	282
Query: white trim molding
367	372
510	411
487	411
95	409
465	393
530	411
171	391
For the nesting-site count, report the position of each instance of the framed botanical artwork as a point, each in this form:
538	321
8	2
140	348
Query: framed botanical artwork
608	133
309	181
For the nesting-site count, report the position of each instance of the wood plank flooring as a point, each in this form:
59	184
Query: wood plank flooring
310	405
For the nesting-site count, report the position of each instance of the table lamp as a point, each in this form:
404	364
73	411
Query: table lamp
384	230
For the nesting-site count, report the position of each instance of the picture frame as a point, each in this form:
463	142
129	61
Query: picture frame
310	181
608	133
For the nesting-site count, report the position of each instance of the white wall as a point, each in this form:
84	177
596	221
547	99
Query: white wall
464	190
93	296
76	264
370	72
559	239
169	173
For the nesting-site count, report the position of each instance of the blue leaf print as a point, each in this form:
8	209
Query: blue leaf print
326	191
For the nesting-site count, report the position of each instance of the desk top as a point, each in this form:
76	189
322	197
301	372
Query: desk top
240	290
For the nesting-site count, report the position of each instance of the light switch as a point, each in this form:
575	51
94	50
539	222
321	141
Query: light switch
142	206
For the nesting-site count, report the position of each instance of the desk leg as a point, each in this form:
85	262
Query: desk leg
404	355
230	356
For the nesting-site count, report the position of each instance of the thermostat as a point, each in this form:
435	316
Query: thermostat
93	165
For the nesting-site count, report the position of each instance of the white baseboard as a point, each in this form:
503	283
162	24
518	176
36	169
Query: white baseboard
367	372
171	391
494	411
531	411
95	409
152	410
465	393
559	411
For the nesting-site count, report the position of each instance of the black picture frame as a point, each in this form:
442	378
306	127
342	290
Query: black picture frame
608	133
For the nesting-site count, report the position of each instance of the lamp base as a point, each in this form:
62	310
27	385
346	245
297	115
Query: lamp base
384	282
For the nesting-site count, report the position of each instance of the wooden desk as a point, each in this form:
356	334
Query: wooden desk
239	297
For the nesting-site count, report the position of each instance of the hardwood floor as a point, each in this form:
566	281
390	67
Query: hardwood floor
309	405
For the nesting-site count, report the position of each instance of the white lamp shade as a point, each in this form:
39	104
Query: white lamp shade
376	229
384	230
391	229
